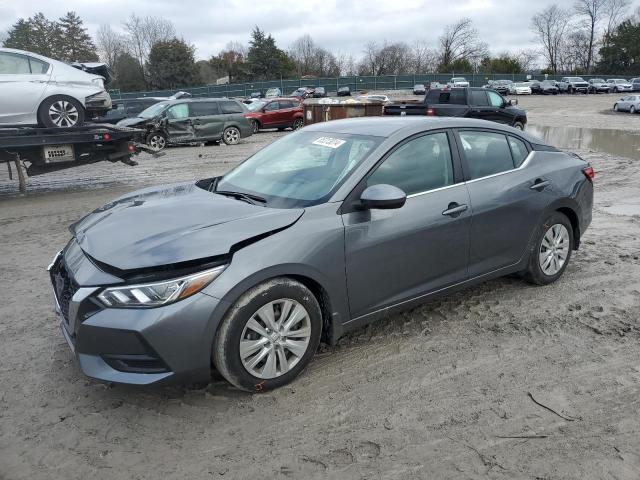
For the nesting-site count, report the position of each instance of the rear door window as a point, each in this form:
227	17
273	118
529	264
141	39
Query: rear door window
494	99
272	106
286	104
478	98
203	109
12	64
454	97
519	150
230	107
486	153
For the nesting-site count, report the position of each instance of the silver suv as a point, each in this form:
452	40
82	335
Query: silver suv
36	90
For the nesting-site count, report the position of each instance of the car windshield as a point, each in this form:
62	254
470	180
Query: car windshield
522	84
575	79
547	82
255	106
620	80
153	110
301	169
597	80
459	79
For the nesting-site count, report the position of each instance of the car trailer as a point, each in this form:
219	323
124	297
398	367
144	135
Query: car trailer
36	151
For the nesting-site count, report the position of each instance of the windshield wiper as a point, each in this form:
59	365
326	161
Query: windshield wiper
247	197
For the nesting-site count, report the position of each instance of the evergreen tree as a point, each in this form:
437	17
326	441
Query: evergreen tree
36	34
20	35
266	61
621	53
172	65
127	74
73	42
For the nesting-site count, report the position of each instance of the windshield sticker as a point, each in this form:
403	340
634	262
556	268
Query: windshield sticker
329	142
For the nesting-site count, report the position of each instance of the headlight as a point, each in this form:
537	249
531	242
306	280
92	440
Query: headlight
158	293
98	81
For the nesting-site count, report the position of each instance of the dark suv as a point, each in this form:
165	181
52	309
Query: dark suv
277	113
192	120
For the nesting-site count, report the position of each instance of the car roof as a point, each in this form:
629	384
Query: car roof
387	126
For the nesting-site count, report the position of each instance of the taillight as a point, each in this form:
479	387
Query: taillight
131	148
106	137
589	173
431	111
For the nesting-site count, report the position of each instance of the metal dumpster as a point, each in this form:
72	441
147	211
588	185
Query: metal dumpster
317	112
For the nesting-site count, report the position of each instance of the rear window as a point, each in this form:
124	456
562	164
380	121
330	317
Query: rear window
455	97
202	109
230	107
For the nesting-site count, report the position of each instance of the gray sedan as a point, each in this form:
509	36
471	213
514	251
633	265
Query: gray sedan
325	230
630	103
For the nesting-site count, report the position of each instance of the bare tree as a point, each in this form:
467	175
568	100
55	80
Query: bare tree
593	11
528	59
143	32
460	41
549	26
424	59
110	43
614	12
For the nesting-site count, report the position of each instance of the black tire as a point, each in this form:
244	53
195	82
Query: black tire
156	141
615	107
632	109
74	114
255	126
298	123
570	90
615	89
534	273
226	345
519	125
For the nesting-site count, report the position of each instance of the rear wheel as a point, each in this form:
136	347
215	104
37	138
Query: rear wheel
615	107
268	336
552	251
519	125
297	124
231	136
60	111
255	126
632	109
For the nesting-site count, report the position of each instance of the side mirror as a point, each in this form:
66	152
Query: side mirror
383	197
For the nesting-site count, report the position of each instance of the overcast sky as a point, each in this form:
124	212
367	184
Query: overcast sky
340	26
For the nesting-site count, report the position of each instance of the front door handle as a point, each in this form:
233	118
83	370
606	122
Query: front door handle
454	209
540	184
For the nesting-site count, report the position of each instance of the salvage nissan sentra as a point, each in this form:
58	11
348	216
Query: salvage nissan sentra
325	230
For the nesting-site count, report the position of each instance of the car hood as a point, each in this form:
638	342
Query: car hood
171	224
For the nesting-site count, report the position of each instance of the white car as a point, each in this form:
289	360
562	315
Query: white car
630	103
521	88
620	85
458	82
36	90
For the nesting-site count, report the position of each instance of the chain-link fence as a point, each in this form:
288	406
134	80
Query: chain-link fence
331	84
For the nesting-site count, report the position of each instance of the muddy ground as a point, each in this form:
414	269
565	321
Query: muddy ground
443	391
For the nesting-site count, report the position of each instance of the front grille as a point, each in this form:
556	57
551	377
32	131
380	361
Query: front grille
64	287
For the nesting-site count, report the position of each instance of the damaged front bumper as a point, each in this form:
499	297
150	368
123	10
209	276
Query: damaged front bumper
139	346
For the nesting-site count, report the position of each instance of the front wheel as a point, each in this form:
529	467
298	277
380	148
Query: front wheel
60	111
268	336
156	141
231	136
632	109
255	126
615	107
519	125
552	250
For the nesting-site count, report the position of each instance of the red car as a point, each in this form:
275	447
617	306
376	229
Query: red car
277	113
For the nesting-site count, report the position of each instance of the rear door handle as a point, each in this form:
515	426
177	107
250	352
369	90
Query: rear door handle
540	184
454	209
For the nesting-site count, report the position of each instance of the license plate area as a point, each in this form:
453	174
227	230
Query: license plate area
58	153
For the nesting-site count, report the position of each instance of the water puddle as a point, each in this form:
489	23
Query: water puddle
614	142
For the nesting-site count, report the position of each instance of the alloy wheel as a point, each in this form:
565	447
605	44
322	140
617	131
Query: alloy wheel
275	338
231	136
63	113
554	249
255	126
632	109
157	142
297	124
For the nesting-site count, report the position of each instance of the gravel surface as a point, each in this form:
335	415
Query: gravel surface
453	389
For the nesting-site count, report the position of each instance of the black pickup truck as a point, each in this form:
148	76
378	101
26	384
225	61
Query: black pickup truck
469	102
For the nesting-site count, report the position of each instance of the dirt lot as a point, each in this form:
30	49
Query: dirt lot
443	391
